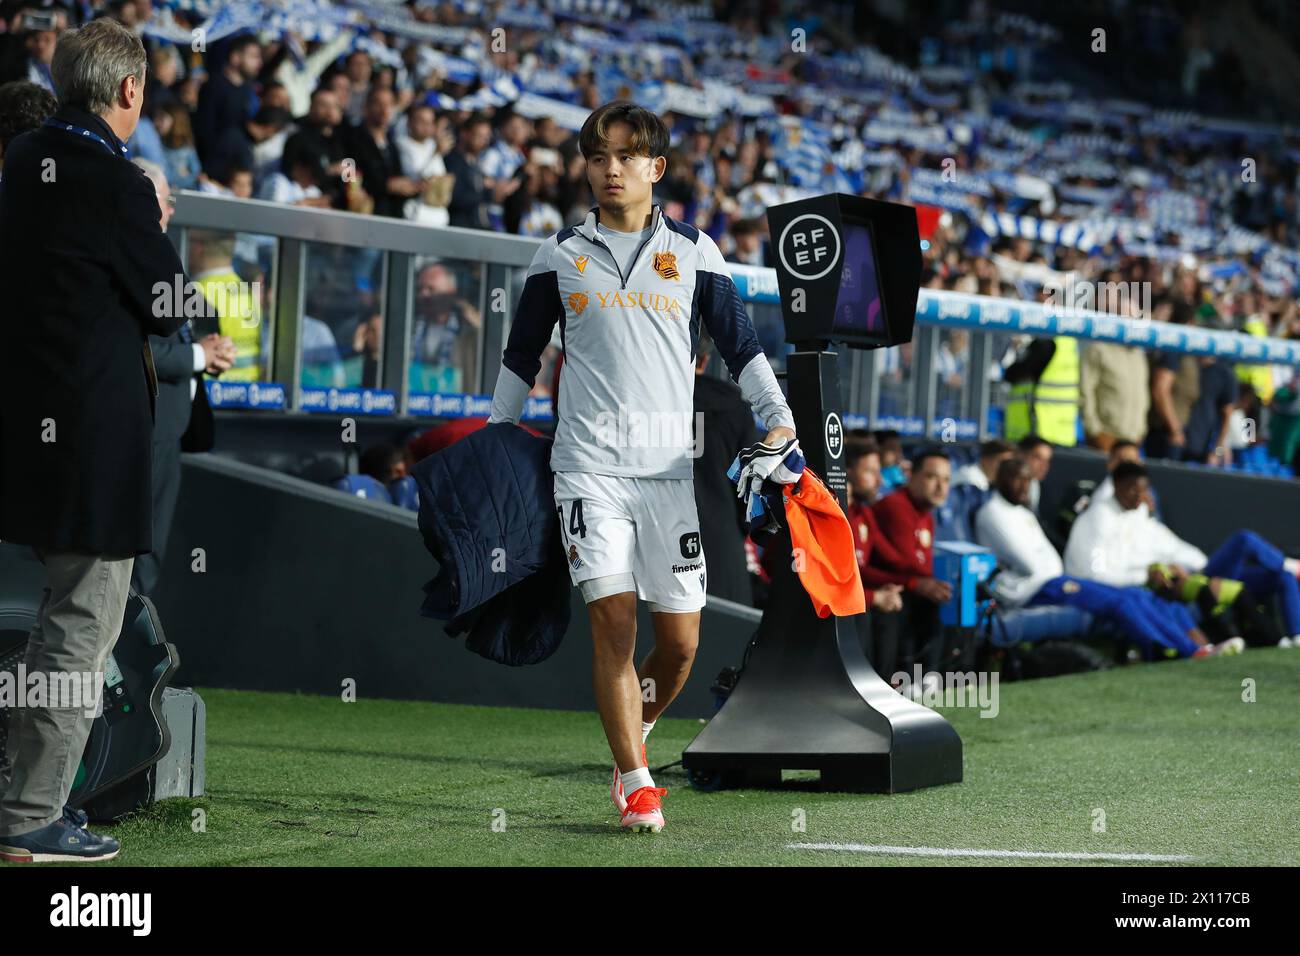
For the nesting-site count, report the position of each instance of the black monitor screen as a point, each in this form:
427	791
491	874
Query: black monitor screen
859	312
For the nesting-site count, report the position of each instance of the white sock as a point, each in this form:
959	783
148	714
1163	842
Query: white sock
645	729
1292	565
634	780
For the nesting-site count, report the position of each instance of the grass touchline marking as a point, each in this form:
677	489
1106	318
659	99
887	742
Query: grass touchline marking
1017	854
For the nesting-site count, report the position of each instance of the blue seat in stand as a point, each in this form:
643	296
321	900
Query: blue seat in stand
363	486
405	492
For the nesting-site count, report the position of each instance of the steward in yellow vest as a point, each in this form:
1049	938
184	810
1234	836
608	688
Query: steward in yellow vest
239	316
1044	397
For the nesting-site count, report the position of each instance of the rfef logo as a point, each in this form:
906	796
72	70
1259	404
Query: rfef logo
834	436
809	246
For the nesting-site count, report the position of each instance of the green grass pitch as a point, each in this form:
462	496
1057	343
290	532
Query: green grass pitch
1177	761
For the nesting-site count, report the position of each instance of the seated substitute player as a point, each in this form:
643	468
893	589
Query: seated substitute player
904	554
1117	541
1032	575
630	289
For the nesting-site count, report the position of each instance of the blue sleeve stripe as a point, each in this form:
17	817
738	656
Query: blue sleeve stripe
535	317
683	229
724	315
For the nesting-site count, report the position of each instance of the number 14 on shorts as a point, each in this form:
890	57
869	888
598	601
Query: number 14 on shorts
577	526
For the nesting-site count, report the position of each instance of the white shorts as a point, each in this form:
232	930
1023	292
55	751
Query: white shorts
633	534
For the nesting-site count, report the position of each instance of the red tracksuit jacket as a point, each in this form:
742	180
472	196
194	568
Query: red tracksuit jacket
895	540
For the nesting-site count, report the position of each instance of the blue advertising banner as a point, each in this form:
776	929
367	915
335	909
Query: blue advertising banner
981	313
363	401
245	394
459	405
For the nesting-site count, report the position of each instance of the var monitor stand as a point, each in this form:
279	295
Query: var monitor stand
807	699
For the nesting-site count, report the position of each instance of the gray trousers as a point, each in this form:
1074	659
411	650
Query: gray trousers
76	627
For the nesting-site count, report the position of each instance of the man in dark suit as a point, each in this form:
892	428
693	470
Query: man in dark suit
180	362
82	260
727	427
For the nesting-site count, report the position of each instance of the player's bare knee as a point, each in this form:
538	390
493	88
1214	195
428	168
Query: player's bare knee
613	624
678	649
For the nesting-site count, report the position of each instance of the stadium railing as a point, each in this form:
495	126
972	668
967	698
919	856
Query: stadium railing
324	274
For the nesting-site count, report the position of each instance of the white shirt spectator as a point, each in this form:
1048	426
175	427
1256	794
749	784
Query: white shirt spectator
1106	491
268	153
280	188
1016	538
1115	546
420	160
971	474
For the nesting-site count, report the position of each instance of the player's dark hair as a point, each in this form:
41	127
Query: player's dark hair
1008	468
1127	471
995	447
649	134
1030	442
241	43
857	449
930	451
379	460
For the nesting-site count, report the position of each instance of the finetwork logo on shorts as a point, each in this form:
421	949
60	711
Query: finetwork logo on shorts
689	544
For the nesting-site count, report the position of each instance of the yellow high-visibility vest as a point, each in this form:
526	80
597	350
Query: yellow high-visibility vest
240	317
1258	377
1048	408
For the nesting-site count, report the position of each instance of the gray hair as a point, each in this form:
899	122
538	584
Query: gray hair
91	62
156	173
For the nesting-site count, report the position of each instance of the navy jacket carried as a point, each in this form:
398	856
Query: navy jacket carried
487	515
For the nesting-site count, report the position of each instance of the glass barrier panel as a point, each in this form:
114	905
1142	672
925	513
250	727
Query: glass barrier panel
343	317
896	386
446	325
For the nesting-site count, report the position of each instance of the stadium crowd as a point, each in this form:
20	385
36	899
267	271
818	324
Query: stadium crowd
423	112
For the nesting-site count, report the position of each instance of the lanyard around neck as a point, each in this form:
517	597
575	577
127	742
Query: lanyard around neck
89	134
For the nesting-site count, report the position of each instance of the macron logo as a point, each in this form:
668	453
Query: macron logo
75	909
